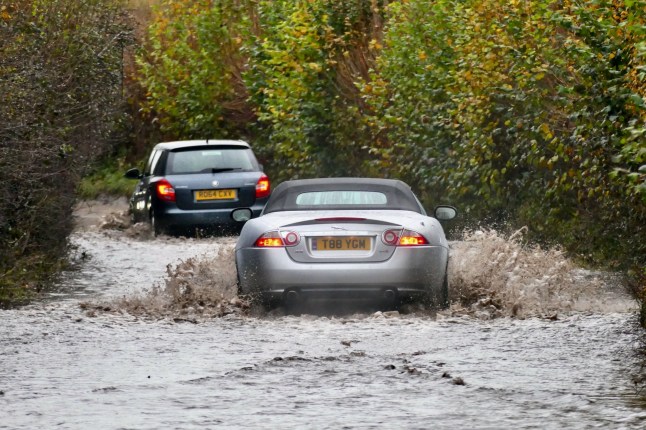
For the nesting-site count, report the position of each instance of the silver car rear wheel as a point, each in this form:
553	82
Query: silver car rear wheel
439	299
443	301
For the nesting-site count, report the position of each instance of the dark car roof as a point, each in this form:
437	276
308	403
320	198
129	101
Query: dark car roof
399	194
181	144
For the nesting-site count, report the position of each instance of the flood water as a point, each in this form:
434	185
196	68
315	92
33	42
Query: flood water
148	334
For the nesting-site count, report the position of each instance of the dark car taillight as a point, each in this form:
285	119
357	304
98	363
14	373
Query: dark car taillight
263	187
165	191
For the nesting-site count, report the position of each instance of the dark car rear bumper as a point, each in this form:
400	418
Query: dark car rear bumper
169	216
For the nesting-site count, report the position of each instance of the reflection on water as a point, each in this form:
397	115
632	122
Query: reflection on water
148	334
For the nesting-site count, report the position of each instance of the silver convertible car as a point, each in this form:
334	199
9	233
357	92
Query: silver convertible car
344	238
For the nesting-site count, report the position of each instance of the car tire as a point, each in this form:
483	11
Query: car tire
443	297
133	217
157	230
132	213
439	299
238	284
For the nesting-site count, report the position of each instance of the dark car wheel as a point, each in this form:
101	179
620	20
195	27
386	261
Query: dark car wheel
133	217
154	224
239	291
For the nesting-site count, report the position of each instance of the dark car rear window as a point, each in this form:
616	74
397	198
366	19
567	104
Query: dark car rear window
210	159
342	194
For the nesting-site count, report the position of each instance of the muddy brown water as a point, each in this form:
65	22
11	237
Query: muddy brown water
148	334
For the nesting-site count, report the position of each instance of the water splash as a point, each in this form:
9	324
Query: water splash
493	275
194	289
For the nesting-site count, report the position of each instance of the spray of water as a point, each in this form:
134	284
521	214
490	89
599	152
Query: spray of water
493	275
197	288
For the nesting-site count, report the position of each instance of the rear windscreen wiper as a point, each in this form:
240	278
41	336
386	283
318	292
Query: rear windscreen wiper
224	169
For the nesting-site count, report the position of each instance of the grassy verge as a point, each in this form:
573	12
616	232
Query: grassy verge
28	279
107	179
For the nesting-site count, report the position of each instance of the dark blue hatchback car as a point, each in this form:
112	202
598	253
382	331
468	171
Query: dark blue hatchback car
197	184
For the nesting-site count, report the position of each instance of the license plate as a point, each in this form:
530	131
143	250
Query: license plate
341	243
202	195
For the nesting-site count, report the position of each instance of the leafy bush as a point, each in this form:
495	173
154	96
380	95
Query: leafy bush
60	103
302	79
191	68
529	110
108	179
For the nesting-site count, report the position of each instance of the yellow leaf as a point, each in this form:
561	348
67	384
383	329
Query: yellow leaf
545	129
314	66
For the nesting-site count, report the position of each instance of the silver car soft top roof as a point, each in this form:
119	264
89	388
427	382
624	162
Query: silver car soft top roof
398	193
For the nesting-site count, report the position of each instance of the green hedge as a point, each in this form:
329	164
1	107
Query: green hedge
60	104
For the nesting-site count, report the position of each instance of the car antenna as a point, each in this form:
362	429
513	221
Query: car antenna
207	141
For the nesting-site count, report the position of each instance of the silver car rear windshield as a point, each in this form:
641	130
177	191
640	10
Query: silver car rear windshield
342	194
208	160
335	198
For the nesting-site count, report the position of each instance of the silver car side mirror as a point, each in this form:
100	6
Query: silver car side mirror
445	213
241	214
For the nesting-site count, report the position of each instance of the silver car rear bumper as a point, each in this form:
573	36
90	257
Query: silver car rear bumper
410	272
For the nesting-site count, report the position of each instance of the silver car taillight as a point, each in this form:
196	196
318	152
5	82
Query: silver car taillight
276	239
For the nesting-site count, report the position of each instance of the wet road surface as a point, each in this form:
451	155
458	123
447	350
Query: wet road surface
129	342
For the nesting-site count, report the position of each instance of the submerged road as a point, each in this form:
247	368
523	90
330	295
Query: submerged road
129	342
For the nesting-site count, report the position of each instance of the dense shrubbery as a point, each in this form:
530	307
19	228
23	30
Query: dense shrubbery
302	74
531	112
60	102
282	72
191	68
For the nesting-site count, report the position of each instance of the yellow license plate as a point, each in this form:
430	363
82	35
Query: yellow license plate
341	243
202	195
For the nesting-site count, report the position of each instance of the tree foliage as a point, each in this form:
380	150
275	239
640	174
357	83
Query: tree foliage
529	110
283	72
60	92
192	65
302	75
